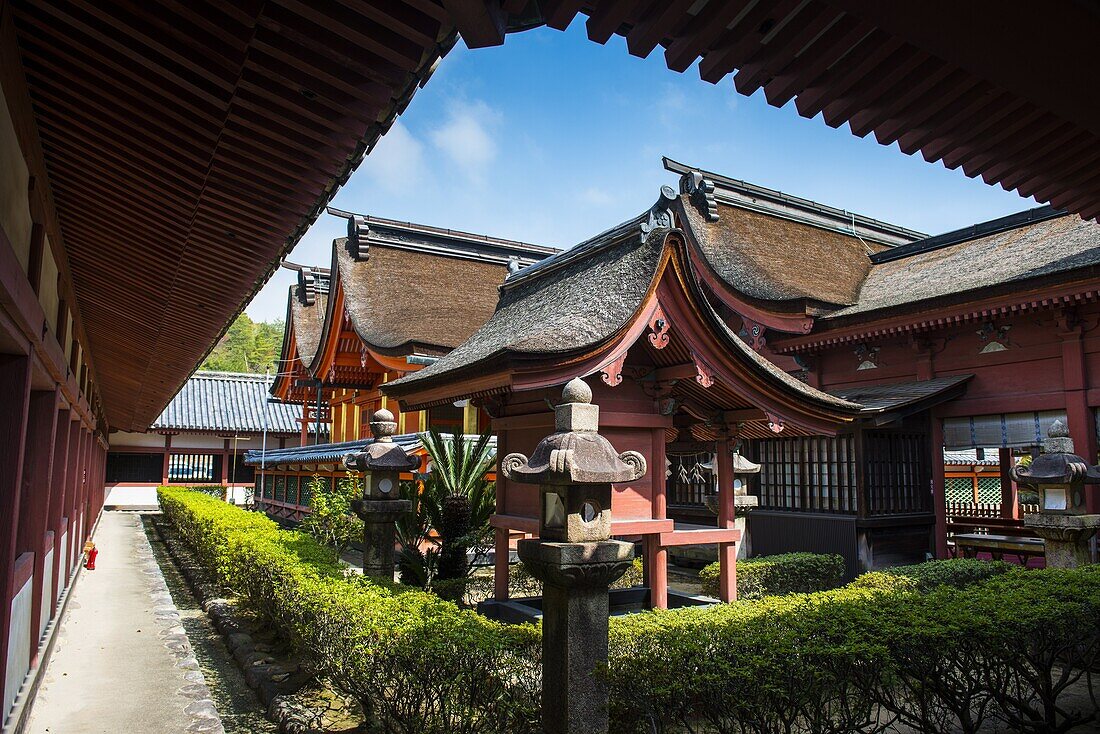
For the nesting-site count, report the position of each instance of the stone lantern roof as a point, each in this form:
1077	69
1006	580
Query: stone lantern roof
575	453
383	454
1057	464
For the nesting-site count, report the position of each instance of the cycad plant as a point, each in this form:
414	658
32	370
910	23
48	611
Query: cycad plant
456	501
464	495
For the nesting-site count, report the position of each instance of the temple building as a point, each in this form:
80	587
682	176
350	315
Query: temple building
396	297
840	353
200	439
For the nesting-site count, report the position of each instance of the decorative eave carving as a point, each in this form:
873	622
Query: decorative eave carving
701	193
358	237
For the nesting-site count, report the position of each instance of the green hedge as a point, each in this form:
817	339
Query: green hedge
860	659
415	662
1002	650
786	573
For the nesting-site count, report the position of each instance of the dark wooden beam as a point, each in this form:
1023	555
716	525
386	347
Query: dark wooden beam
481	23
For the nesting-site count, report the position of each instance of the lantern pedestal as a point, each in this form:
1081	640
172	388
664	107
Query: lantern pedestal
379	534
575	608
1066	537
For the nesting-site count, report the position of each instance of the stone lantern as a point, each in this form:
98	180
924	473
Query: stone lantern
380	464
575	557
742	500
1060	477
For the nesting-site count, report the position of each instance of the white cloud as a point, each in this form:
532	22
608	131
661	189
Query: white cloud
468	137
397	159
596	196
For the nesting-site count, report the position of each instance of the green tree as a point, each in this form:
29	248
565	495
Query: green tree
248	346
330	519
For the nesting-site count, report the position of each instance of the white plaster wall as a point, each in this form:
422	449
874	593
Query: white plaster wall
62	568
47	294
15	215
122	439
47	593
19	644
146	495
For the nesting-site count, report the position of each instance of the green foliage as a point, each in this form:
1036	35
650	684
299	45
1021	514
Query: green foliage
248	346
457	502
873	656
883	581
415	662
860	659
957	572
786	573
330	519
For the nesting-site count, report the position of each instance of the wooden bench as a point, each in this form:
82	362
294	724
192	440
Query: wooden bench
970	544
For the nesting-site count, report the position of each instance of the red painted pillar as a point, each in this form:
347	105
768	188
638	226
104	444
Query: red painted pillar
58	482
72	477
727	552
34	506
15	386
1079	419
501	549
656	557
939	498
167	453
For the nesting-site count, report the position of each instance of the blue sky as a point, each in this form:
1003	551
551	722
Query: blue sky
552	138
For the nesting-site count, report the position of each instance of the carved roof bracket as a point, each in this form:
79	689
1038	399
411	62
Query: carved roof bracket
701	193
658	323
358	237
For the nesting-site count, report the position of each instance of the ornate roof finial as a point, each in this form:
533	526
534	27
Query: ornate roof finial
382	425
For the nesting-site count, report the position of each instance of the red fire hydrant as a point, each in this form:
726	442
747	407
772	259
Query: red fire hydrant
90	551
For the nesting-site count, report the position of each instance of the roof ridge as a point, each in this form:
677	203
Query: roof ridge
222	375
746	195
972	232
444	232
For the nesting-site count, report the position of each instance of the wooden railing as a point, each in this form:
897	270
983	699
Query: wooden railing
985	518
982	509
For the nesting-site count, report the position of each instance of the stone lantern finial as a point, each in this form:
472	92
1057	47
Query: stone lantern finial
1058	440
383	425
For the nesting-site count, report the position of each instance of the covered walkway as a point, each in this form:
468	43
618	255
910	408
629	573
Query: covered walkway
123	662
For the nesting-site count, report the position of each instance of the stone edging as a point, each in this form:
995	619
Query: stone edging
273	680
201	709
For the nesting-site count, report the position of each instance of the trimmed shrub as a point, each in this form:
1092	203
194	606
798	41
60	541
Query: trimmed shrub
870	657
786	573
416	663
861	659
956	572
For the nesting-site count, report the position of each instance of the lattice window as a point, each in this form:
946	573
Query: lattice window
960	489
989	489
815	474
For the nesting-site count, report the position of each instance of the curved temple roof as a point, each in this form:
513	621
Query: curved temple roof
413	289
579	303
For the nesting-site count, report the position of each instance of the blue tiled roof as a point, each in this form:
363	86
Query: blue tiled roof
330	452
228	402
